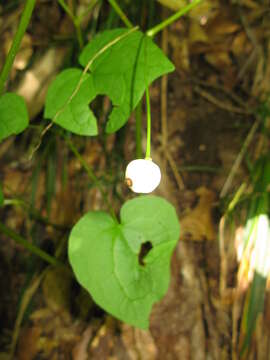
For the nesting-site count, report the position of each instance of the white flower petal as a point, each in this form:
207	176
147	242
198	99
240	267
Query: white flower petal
143	176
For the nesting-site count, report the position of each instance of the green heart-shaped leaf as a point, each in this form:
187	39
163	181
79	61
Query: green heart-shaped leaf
69	109
123	71
13	115
105	257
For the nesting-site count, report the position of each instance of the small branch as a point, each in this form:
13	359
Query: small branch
239	158
173	18
26	16
27	245
221	104
178	178
120	13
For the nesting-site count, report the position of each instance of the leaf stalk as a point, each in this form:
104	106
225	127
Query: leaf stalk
153	31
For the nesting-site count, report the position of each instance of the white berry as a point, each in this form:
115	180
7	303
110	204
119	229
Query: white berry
143	176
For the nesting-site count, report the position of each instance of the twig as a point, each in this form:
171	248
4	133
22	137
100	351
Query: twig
239	158
26	16
27	296
228	92
176	174
221	104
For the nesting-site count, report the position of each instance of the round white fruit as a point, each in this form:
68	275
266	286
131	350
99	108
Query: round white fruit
143	176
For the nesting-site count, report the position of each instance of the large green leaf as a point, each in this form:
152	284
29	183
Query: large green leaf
13	115
123	71
105	257
72	112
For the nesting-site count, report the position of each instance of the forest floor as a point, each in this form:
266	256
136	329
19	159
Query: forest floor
202	114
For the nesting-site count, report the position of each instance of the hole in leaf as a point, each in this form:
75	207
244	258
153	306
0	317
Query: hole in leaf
101	107
145	248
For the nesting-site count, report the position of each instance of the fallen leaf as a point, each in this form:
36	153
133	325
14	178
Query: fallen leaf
198	224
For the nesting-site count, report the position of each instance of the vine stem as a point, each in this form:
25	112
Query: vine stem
75	20
24	21
171	19
120	13
27	245
148	110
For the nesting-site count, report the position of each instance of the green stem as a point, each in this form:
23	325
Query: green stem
27	245
75	20
148	110
26	16
173	18
67	10
90	7
33	213
120	13
91	175
77	25
138	117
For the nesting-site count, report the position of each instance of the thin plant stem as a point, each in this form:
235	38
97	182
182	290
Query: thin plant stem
91	175
67	10
90	7
138	117
24	21
27	245
148	111
173	18
33	213
120	13
77	25
75	20
239	158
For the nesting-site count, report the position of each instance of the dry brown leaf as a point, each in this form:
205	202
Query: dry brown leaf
139	343
198	224
28	343
197	33
221	25
219	59
180	55
240	44
56	288
80	350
